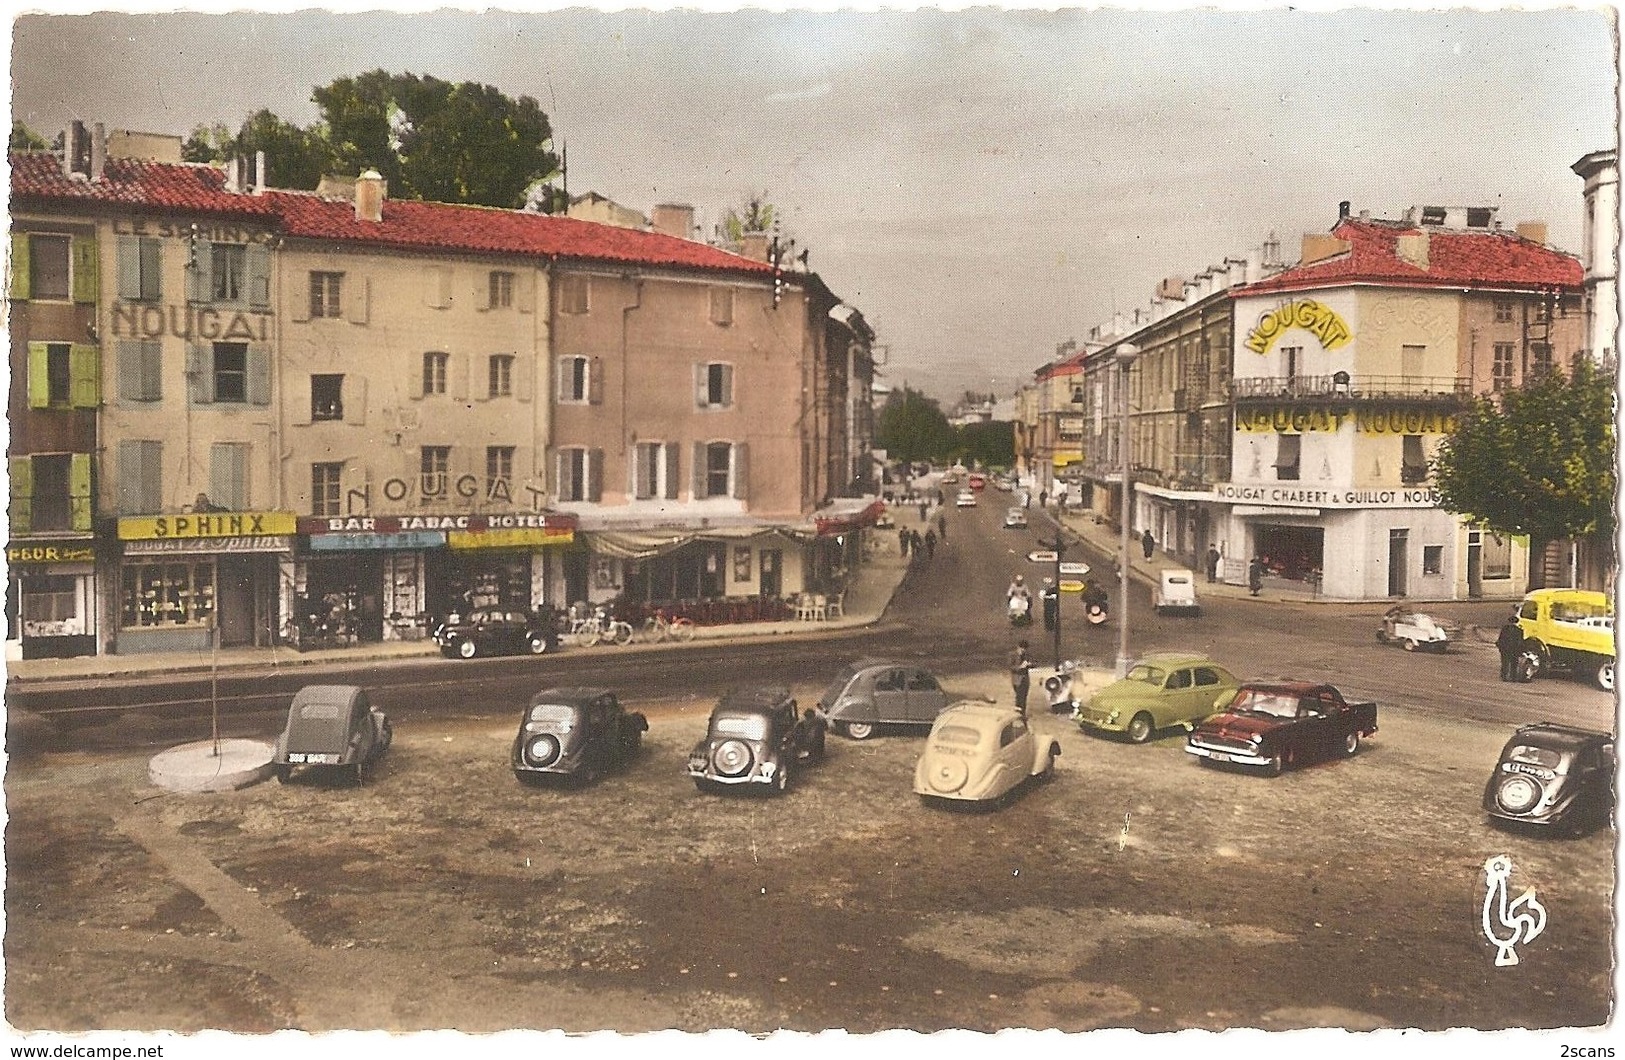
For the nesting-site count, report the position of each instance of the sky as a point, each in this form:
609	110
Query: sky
982	184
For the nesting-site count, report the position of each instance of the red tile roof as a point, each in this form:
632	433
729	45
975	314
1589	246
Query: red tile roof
128	182
1455	259
412	225
406	224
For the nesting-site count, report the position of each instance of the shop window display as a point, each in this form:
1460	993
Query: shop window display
168	594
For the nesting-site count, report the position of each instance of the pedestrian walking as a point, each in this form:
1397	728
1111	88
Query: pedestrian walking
942	527
940	500
1510	644
902	542
1043	498
1020	675
1212	564
1148	544
1255	576
1050	598
915	543
930	544
925	508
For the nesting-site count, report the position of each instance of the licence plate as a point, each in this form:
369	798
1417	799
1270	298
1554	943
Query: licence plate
1218	756
313	759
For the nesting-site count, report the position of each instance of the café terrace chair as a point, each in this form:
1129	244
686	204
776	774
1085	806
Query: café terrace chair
835	606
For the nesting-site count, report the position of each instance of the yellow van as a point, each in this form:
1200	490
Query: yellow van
1571	628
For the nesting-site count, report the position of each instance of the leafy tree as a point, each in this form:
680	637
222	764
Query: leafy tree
991	444
756	215
208	143
912	427
1539	461
25	139
433	139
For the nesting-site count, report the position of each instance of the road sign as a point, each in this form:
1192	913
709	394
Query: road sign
1075	570
1069	586
1042	557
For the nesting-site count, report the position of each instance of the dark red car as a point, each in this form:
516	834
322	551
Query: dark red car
1278	723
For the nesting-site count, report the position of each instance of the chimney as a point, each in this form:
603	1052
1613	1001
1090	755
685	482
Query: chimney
259	170
98	150
1343	210
1173	287
76	151
1534	231
753	245
1412	248
369	196
674	219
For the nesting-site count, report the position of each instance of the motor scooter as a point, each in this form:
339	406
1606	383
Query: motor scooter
1058	686
1021	611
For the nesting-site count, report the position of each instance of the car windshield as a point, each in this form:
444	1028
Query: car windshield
961	735
554	714
746	727
837	686
1151	675
1275	704
1582	611
1535	756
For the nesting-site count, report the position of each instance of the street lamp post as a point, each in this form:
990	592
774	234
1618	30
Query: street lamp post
1124	355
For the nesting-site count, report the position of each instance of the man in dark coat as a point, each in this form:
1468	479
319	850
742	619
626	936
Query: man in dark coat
902	542
1510	644
942	527
1147	544
1212	564
1255	575
1020	675
930	543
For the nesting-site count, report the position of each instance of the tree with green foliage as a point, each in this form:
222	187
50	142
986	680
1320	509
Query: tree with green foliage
294	157
756	215
990	444
1539	460
912	427
25	139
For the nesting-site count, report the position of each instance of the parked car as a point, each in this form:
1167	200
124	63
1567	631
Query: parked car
1415	631
580	733
1161	689
493	631
1552	776
1280	723
1176	593
981	752
332	728
870	693
977	481
966	499
755	737
1015	519
1571	629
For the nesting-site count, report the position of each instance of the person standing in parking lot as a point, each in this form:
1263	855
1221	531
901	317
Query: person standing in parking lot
1020	675
942	527
1510	644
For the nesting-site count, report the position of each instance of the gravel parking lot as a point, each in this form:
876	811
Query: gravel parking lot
1137	889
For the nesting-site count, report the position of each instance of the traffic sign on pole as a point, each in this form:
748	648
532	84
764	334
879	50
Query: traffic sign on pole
1075	570
1042	557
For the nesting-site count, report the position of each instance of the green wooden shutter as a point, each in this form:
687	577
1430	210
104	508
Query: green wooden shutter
20	274
152	370
22	494
84	376
39	381
259	375
87	276
258	266
129	268
741	482
79	491
200	374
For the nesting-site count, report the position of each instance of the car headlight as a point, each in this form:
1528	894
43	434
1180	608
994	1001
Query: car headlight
1113	715
1256	738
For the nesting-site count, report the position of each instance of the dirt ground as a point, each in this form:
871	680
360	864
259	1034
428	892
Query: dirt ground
1135	890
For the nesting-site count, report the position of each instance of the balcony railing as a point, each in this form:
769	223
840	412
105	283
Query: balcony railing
1354	388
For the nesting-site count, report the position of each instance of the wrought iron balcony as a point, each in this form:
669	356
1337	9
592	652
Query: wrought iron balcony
1341	386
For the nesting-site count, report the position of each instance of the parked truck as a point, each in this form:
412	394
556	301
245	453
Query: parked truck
1570	629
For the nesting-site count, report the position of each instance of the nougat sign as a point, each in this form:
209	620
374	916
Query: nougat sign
1317	318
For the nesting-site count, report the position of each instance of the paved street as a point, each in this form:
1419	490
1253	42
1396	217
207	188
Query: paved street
1135	890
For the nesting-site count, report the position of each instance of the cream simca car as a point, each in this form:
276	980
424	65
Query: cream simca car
980	752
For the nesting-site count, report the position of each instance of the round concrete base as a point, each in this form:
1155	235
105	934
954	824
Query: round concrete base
195	766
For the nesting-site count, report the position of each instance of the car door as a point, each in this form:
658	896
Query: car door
1205	688
891	694
1321	721
1015	754
925	697
1178	695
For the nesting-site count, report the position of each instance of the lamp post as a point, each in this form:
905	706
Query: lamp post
1124	355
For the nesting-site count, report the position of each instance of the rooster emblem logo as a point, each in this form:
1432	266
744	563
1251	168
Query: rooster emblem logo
1506	924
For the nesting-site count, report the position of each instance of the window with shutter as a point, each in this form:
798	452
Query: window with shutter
257	266
259	375
326	397
1288	453
229	370
21	267
575	384
718	469
595	475
326	484
741	471
435	366
326	294
671	470
228	272
48	268
84	376
87	273
200	270
140	477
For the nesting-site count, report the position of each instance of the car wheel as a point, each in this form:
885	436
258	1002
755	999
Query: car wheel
1140	728
1351	744
781	780
1604	676
1276	766
1530	664
467	648
1382	636
859	730
1410	645
538	644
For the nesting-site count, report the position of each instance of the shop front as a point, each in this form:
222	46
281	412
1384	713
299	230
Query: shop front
51	597
190	582
731	574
